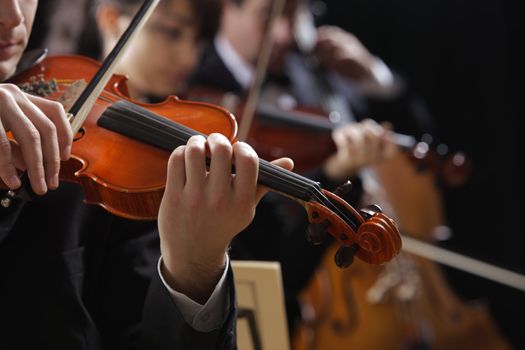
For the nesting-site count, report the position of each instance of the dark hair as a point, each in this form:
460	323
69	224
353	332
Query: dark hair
207	13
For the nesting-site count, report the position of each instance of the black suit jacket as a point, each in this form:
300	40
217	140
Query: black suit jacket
213	73
73	276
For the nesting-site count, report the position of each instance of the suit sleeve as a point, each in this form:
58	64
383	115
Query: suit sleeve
164	327
134	309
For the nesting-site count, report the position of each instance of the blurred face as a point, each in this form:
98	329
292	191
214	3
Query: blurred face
164	53
16	19
244	26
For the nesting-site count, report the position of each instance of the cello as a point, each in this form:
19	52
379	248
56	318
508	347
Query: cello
406	304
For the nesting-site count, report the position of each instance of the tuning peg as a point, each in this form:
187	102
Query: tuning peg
316	232
343	189
370	210
344	257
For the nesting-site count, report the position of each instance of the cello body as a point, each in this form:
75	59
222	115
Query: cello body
404	305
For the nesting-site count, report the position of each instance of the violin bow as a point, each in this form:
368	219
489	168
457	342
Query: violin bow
463	262
260	73
79	111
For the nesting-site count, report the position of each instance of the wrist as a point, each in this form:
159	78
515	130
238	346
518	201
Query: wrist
193	276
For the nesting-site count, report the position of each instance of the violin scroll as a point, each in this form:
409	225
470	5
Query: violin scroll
378	239
370	235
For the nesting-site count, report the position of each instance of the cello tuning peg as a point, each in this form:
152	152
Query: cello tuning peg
316	232
370	210
344	257
343	189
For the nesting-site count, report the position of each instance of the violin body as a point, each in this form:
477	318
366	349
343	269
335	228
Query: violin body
402	306
125	176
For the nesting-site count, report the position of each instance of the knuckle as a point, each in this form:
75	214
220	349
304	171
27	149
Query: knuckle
56	107
196	139
5	145
48	129
4	94
33	136
177	155
222	147
176	158
194	151
11	87
53	163
246	160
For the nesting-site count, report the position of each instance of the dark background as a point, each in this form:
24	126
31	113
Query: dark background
464	59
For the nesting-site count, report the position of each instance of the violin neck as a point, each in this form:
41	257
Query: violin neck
140	124
307	121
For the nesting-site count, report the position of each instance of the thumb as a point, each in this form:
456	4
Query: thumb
285	163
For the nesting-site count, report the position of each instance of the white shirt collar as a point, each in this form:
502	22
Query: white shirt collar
241	70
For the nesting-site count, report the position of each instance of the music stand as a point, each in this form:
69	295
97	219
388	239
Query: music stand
261	322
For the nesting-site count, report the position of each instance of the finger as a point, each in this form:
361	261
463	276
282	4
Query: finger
55	112
389	147
350	138
220	174
246	164
176	177
285	163
372	146
195	162
387	125
49	140
339	138
372	125
7	168
29	140
17	157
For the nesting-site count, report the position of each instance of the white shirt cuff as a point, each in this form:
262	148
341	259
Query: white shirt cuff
383	82
207	317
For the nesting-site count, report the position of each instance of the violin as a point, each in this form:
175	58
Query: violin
305	135
119	131
120	155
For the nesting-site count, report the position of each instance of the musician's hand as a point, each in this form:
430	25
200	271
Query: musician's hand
358	145
203	210
43	138
343	53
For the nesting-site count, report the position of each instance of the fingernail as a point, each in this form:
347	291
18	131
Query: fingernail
14	181
42	186
54	181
